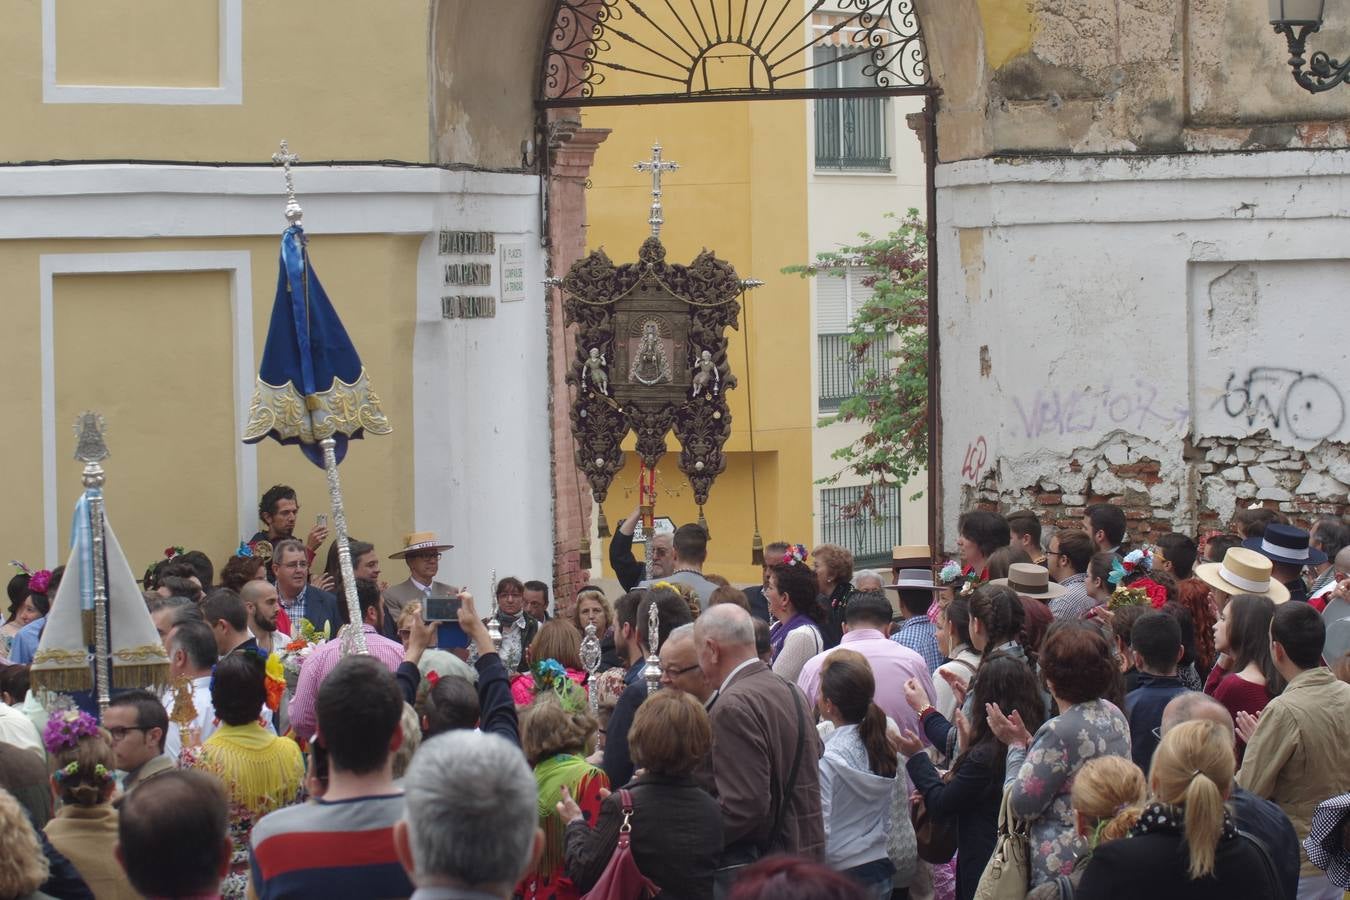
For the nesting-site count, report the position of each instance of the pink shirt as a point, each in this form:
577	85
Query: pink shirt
892	665
322	661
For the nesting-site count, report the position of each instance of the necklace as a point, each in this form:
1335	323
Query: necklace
691	571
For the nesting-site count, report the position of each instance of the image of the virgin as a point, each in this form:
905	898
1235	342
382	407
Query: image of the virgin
650	355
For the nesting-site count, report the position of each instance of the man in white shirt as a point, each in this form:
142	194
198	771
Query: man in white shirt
17	730
192	653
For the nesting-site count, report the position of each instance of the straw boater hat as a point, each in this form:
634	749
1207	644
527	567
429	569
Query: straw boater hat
915	579
417	541
1243	571
1030	580
911	556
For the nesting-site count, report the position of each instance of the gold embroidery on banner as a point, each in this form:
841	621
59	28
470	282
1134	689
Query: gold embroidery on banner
146	653
60	659
343	409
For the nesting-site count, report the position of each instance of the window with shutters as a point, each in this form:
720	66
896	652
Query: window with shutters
839	293
850	131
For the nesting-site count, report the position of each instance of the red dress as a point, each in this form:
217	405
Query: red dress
1237	695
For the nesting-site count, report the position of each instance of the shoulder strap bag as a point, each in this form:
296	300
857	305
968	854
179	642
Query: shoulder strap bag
1267	862
1008	874
622	880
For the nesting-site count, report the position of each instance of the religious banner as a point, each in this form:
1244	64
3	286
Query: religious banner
651	356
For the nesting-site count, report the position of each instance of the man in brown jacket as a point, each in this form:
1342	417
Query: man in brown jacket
765	751
1300	753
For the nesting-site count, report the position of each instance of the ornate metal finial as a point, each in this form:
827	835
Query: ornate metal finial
749	284
652	671
656	165
90	448
285	158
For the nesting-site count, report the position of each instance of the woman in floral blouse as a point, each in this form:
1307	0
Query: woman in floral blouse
1077	667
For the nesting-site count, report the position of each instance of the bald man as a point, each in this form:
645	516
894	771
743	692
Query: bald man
260	597
1255	816
765	748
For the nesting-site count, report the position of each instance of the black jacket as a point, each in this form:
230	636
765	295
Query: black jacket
835	605
973	796
1155	866
676	839
759	604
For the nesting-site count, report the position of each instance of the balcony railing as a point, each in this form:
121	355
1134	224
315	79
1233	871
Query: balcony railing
841	368
870	534
851	134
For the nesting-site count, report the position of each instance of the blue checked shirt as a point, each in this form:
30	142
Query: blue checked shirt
920	635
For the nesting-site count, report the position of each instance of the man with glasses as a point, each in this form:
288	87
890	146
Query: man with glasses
1068	558
679	665
138	722
422	553
300	599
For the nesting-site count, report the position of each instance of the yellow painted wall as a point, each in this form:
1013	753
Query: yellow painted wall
152	352
340	79
741	192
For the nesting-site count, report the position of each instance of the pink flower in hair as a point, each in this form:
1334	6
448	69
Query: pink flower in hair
39	581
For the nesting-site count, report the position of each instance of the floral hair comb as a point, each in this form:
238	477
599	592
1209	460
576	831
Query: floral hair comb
950	572
794	554
70	771
63	732
39	581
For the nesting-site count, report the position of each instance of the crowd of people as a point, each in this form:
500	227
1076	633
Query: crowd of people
1055	713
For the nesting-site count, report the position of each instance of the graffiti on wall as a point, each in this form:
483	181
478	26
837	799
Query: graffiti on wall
1304	405
977	456
1138	408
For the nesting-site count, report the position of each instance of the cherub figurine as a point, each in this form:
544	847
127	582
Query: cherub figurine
595	365
705	373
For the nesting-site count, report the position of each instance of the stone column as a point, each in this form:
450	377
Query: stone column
571	153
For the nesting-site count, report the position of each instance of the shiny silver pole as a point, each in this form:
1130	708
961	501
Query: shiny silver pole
494	628
652	671
590	659
354	636
92	451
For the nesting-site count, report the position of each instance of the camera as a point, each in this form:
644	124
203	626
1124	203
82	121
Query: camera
441	609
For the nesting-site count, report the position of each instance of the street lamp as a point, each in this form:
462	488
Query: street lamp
1296	19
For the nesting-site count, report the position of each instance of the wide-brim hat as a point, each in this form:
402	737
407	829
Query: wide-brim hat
417	541
916	580
1325	842
1031	580
1286	545
911	556
1243	571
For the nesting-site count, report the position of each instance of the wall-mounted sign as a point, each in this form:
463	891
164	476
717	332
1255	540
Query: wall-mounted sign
513	272
468	307
468	242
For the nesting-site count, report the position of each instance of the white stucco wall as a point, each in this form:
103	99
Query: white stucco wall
1095	307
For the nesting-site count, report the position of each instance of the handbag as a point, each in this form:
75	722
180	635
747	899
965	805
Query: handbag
936	838
1008	874
622	880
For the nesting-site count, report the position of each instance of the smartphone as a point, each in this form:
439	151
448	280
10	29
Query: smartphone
321	520
441	609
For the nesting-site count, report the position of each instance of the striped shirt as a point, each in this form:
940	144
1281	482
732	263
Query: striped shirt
322	849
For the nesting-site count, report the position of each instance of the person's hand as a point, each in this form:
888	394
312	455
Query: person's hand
963	728
1106	616
905	743
916	696
1246	724
317	535
421	635
629	525
567	807
321	580
958	685
1008	729
473	625
383	585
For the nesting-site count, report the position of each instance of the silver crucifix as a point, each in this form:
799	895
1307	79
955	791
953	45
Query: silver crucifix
656	165
285	158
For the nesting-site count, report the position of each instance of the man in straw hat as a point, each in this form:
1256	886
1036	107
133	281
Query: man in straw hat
422	552
1242	571
917	590
1289	550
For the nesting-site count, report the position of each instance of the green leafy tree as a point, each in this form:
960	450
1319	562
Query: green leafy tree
891	397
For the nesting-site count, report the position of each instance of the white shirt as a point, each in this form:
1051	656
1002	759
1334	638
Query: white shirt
17	730
203	725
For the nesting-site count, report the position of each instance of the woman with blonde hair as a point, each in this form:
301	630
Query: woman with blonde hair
1108	795
23	866
85	830
592	609
1184	844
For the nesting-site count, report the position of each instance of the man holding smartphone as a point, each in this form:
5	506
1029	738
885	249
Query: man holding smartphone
422	553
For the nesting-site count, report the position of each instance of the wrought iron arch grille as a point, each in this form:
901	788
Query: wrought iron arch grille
680	50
